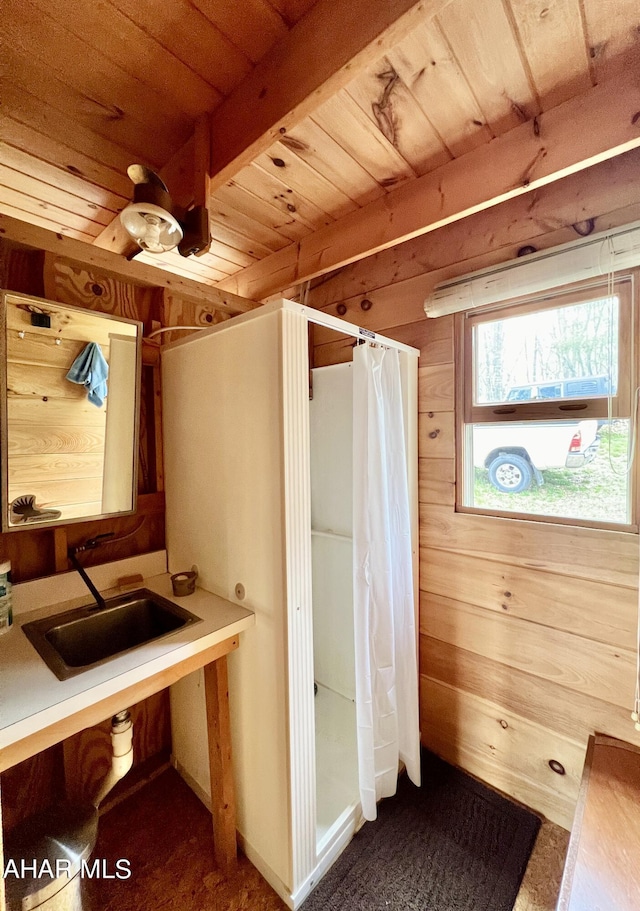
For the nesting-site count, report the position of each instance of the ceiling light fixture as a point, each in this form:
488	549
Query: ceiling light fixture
156	224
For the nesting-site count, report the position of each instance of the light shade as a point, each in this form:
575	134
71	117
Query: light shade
151	226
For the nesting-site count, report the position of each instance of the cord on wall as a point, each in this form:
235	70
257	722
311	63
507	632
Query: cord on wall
173	329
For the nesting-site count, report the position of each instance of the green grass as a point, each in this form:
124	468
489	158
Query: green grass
597	492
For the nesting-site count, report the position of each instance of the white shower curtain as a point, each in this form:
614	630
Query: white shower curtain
385	629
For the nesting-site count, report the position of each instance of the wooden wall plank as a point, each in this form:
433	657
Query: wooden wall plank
389	307
53	493
612	36
178	312
482	40
436	435
49	438
509	752
425	63
66	466
594	668
134	51
281	160
321	151
436	481
549	705
23	380
583	553
569	604
193	38
433	338
39	350
352	129
254	27
36	72
47	414
394	112
338	352
436	388
554	43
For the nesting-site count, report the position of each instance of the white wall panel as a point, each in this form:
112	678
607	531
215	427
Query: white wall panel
331	432
222	416
333	646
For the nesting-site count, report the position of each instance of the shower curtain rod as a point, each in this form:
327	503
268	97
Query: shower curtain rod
334	322
319	317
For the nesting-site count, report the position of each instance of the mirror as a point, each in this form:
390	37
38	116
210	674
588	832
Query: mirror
70	389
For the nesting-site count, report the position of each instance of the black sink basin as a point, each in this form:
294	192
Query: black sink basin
76	640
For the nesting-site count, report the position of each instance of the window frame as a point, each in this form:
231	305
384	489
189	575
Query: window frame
625	286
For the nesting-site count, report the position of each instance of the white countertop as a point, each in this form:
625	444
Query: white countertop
32	697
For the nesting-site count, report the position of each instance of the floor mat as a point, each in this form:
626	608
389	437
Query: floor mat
451	845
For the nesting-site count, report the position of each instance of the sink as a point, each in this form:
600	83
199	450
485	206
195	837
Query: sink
77	640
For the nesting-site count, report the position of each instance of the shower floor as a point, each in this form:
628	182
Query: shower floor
336	759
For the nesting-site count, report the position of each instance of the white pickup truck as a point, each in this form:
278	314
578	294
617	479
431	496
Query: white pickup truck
517	453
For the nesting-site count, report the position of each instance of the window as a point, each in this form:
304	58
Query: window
545	403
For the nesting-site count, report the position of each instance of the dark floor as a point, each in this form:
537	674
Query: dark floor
165	833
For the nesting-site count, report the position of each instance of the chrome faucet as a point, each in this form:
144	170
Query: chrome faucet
73	552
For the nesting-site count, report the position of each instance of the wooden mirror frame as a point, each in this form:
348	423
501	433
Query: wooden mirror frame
41	304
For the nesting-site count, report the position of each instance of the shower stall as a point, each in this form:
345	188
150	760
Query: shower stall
259	492
331	473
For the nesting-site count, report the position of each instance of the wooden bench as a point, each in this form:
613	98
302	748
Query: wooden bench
602	871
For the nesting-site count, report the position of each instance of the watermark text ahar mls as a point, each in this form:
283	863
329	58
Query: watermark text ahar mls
38	868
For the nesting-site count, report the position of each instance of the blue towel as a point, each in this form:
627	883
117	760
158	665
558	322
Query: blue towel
91	370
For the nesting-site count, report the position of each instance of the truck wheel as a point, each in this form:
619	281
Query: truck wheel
510	473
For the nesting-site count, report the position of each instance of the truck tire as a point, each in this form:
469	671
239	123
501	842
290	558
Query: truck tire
510	473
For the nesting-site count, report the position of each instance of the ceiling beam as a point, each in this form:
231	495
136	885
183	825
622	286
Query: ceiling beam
593	127
397	281
570	208
20	232
322	53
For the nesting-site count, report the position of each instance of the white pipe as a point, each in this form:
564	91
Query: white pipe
122	759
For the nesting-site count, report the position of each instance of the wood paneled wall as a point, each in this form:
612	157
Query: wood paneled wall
35	552
41	552
527	629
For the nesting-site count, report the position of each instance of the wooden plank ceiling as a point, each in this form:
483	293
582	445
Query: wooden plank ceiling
90	86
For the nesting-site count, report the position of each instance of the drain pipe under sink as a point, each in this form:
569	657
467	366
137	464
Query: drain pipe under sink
122	760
